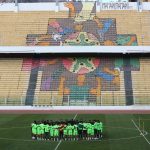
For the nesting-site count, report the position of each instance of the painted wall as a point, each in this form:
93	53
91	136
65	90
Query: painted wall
75	81
53	6
81	28
21	29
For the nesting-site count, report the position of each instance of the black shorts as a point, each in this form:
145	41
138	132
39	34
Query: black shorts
95	131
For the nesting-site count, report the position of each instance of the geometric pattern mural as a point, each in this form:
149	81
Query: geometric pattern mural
79	77
81	28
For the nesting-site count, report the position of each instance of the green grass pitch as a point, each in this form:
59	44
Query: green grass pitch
120	133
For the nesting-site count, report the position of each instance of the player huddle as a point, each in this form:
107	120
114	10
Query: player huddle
67	130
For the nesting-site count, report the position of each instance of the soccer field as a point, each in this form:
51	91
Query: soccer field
121	132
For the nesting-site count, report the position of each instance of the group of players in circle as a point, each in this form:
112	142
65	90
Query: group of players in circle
67	130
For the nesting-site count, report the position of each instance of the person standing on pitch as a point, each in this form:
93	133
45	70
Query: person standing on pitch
34	130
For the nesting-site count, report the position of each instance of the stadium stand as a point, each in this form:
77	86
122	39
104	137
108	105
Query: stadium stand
19	29
74	80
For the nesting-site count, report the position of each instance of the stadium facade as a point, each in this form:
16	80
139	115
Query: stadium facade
78	53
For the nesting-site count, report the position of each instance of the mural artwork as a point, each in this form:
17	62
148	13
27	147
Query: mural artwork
81	28
80	78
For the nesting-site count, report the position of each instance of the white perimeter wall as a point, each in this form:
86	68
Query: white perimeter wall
53	7
74	49
69	108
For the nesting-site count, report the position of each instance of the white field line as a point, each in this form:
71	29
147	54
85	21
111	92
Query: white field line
58	145
75	116
61	140
141	132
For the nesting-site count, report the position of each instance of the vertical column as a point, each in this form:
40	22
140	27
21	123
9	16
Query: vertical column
128	81
32	81
16	6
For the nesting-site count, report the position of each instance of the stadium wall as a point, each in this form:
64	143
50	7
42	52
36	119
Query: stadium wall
74	80
36	28
77	79
53	6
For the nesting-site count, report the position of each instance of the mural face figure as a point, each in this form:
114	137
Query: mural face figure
81	65
81	39
78	27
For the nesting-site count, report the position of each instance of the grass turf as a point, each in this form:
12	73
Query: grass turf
119	133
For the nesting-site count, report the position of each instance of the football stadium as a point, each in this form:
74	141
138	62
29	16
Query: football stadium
75	74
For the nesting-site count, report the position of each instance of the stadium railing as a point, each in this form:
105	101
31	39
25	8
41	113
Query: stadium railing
104	101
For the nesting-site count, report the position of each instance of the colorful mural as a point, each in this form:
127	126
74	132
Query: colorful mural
81	28
80	78
128	40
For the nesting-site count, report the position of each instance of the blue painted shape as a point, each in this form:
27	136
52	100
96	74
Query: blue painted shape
66	31
105	76
106	26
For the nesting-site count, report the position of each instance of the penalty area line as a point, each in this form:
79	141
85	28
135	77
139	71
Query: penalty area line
140	131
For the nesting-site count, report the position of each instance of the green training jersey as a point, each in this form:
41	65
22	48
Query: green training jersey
89	128
46	127
34	126
51	130
92	130
101	126
65	131
42	128
56	130
69	129
80	126
84	126
39	131
97	127
75	130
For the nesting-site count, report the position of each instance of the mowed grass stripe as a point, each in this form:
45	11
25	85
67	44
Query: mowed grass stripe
106	144
129	143
22	145
117	129
5	119
26	120
25	133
